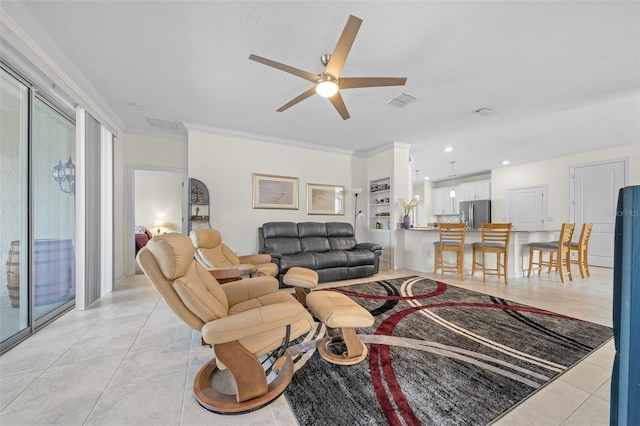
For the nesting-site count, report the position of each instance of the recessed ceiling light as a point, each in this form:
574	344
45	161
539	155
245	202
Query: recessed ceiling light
505	162
426	178
448	149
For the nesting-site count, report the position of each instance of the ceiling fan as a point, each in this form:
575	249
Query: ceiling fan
329	83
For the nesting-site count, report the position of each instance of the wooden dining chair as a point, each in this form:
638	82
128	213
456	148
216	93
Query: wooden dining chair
451	240
495	239
559	253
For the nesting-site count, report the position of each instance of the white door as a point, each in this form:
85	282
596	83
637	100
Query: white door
594	195
525	208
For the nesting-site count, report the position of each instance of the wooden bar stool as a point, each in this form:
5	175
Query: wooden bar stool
495	239
451	240
582	247
561	248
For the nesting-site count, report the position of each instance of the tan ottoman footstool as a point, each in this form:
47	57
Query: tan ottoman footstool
303	279
341	316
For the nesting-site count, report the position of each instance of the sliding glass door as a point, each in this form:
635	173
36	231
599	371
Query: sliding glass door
53	209
14	130
37	218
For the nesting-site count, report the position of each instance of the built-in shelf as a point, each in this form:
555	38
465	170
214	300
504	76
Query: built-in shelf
198	204
380	204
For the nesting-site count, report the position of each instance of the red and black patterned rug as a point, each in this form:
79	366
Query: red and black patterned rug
438	355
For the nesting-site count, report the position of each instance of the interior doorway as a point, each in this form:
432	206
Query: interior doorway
158	204
593	195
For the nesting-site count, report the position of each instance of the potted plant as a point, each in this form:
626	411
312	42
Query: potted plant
407	207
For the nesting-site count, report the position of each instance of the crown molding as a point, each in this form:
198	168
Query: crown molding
158	134
385	147
265	138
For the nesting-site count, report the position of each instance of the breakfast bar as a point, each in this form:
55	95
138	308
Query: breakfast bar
415	246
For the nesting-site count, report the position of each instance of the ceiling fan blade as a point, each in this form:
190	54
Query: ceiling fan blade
355	82
339	55
297	99
286	68
337	102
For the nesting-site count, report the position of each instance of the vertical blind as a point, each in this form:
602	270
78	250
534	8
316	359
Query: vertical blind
93	209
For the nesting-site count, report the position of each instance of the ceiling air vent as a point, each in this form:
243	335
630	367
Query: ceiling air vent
164	124
401	100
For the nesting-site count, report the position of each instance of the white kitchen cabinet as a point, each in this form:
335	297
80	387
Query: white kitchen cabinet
482	189
443	203
477	190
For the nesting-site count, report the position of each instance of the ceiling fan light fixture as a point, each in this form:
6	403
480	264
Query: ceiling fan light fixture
326	86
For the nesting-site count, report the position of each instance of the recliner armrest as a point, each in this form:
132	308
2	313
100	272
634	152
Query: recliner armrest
274	254
368	246
252	322
255	259
242	268
250	288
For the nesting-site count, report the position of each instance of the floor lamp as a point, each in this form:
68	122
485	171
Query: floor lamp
356	192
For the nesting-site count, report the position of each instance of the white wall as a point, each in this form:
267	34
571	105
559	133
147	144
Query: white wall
554	174
225	164
133	150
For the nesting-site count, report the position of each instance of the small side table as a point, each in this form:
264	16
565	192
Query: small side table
224	276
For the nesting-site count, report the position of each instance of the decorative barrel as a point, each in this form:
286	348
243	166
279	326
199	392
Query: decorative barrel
54	272
13	274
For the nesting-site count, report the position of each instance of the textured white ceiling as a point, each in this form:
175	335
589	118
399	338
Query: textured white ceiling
560	77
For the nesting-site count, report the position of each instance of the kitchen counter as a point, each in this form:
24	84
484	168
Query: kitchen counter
415	247
435	228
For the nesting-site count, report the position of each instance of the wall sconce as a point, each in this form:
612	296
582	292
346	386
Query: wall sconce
65	173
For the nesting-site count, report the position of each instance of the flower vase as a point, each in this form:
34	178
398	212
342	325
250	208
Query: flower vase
406	222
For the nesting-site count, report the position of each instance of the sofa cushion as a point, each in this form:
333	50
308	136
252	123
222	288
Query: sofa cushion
302	260
360	257
342	243
315	244
360	271
330	259
339	229
284	245
312	229
280	230
334	274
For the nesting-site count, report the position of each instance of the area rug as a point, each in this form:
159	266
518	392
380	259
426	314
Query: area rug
438	355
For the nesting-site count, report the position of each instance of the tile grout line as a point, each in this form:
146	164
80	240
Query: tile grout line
115	371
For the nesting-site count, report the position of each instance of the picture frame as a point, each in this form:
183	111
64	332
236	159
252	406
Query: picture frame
325	199
275	192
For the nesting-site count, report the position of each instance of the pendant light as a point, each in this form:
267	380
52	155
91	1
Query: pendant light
452	193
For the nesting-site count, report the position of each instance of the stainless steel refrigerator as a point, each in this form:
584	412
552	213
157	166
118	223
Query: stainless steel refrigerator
475	213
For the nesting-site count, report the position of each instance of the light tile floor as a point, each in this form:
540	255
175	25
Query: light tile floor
129	361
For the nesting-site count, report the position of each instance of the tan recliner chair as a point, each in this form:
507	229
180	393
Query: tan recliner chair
212	253
241	320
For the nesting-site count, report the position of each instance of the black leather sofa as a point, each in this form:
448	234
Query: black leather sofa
329	248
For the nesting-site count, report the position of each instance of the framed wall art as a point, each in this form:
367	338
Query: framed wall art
275	192
325	199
